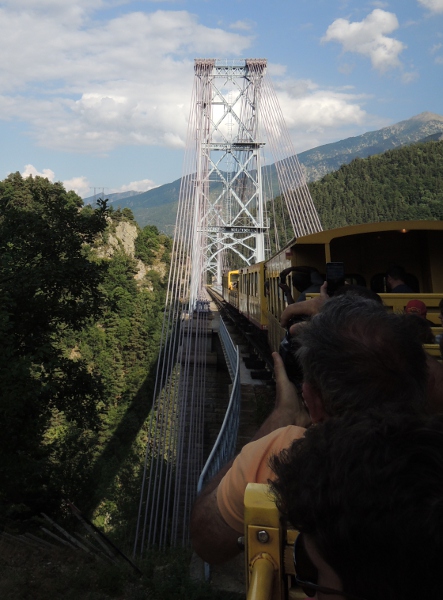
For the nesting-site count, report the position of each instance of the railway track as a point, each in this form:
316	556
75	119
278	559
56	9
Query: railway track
260	360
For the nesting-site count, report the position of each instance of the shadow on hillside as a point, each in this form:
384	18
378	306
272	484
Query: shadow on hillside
119	446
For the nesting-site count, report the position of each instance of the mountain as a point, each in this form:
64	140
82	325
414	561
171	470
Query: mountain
331	157
112	198
159	206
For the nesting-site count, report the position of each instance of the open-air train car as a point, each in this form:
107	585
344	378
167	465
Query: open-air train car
367	251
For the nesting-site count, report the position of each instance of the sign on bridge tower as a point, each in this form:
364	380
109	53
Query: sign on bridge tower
228	187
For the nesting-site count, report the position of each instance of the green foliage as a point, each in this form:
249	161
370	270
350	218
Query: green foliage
80	339
29	572
148	244
48	286
118	214
401	184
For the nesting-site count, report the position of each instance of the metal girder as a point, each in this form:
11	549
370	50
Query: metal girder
228	180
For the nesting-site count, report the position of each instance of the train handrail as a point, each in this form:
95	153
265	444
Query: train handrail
268	546
262	578
225	444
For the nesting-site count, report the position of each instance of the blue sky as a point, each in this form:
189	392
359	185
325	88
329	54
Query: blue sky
96	93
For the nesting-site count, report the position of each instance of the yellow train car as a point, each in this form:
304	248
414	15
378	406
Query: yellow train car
243	291
252	300
230	287
257	306
367	251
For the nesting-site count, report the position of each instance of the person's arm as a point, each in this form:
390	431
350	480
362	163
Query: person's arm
287	292
212	538
307	308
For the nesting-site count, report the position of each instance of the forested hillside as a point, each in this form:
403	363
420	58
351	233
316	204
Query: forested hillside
159	205
406	183
82	293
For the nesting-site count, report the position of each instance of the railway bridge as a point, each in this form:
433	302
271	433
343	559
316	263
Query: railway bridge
240	173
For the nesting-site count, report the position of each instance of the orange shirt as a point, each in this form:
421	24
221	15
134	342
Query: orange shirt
251	466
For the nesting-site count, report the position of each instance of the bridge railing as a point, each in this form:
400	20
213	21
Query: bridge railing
225	444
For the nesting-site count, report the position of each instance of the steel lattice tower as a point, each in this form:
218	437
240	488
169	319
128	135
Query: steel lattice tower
228	186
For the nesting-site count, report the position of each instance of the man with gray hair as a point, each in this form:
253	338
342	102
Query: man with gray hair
354	356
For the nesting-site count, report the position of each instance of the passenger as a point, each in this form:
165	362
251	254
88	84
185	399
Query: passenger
358	290
395	278
354	356
315	283
313	306
417	307
366	493
304	279
421	328
310	308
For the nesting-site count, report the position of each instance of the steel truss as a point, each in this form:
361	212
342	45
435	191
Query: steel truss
228	187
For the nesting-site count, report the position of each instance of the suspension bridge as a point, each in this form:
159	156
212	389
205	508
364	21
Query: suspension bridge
227	204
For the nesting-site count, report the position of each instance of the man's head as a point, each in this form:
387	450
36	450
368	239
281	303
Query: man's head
416	307
302	277
355	355
352	289
367	493
395	275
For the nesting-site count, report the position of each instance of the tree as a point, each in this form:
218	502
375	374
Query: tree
49	285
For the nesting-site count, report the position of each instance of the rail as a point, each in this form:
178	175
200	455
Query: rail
268	546
224	447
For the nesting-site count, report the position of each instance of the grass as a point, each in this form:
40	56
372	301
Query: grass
28	573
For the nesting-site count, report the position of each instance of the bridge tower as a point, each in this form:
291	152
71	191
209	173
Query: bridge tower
228	186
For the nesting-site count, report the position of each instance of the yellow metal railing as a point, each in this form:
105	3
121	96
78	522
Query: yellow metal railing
268	548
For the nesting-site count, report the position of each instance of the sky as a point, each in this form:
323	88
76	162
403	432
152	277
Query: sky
96	93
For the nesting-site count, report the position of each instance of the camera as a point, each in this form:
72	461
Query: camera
287	350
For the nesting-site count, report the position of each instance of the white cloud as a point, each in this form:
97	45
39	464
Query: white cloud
409	76
80	185
435	6
143	185
88	86
276	70
242	25
369	38
316	116
30	170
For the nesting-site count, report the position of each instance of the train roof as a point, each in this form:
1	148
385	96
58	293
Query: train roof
325	237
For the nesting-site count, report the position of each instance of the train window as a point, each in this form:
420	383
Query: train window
275	289
270	295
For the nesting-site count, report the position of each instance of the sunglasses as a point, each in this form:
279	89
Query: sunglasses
306	573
